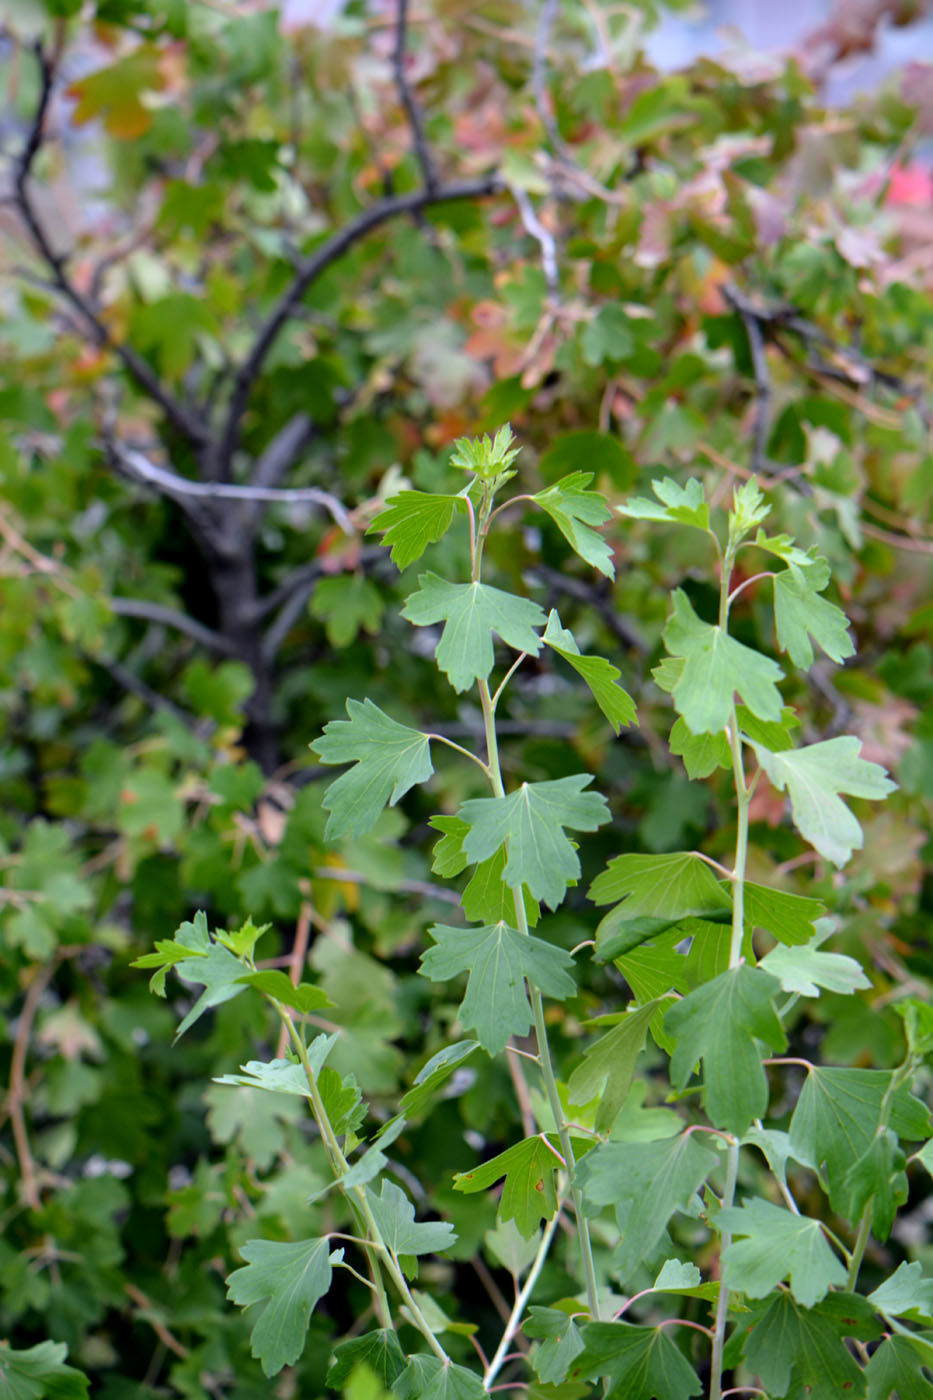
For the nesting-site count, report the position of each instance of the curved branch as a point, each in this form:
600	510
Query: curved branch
179	415
409	102
327	253
168	617
171	484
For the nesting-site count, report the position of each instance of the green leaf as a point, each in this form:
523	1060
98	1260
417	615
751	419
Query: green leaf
289	1279
343	1100
804	970
702	753
608	336
836	1119
429	1378
487	457
906	1292
219	973
779	1245
498	960
800	613
448	858
575	511
643	1363
684	1280
716	666
414	519
788	1345
528	1192
657	893
471	613
433	1075
190	938
347	603
878	1179
39	1372
304	997
658	1178
813	778
901	1366
532	820
608	1066
600	675
395	1216
783	547
561	1339
719	1023
775	735
487	899
381	1351
388	759
789	918
749	508
276	1076
676	504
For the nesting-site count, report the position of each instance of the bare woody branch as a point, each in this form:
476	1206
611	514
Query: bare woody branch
163	616
169	483
409	102
311	268
178	413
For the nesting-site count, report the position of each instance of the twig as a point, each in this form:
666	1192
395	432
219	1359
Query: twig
409	102
164	616
16	1093
187	423
148	1312
356	877
542	236
329	252
756	346
596	597
171	484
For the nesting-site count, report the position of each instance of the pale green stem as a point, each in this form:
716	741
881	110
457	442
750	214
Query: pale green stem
515	1316
537	1007
376	1249
722	1305
743	799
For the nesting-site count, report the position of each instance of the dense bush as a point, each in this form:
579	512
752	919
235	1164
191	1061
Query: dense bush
319	258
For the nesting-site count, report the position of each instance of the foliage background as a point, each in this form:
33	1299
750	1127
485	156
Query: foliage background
699	273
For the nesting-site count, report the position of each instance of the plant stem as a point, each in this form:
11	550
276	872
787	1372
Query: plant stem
722	1305
743	800
377	1251
537	1007
515	1316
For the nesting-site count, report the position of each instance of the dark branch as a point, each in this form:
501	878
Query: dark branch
409	102
329	252
187	423
164	616
595	596
756	345
281	454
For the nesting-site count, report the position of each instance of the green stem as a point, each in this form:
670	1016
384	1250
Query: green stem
537	1007
743	801
377	1251
722	1305
515	1317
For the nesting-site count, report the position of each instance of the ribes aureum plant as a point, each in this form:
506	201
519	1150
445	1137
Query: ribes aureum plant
724	1235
